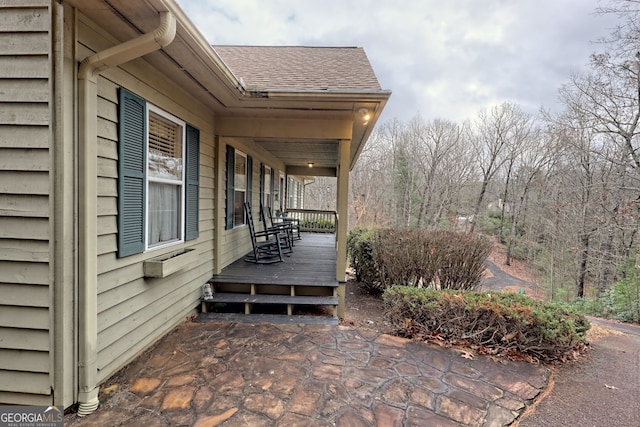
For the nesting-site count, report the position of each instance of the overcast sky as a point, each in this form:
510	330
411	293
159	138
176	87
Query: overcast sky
440	58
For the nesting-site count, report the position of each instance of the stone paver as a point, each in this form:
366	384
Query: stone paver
228	374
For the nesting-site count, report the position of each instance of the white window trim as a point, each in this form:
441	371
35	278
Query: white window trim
267	194
235	187
181	226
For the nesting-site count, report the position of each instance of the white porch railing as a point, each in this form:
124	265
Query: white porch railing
314	221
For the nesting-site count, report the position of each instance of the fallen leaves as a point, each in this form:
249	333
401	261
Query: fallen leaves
466	355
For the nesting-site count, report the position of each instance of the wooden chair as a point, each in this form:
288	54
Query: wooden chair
285	230
266	244
293	222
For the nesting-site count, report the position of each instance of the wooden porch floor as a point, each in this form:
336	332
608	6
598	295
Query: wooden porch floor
299	290
312	263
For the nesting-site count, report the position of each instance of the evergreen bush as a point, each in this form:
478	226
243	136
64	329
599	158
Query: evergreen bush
621	302
510	325
360	243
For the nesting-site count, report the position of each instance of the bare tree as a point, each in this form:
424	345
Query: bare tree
605	105
538	153
320	193
516	144
493	131
370	182
570	191
456	172
438	145
623	41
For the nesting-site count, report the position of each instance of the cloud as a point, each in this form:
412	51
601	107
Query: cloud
440	59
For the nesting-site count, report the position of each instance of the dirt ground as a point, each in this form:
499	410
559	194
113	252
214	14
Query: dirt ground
517	268
364	310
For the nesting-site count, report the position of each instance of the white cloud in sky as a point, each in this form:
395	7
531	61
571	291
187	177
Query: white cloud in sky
445	59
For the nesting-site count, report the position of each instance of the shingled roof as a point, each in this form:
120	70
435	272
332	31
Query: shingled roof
273	68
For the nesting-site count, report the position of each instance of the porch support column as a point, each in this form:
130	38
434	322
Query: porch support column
343	213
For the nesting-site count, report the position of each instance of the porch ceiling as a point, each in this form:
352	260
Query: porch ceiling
296	126
297	155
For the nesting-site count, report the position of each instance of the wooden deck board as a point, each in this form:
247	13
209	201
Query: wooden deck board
312	263
273	299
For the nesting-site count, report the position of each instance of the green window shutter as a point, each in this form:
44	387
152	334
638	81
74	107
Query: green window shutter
132	130
231	168
192	183
249	179
273	183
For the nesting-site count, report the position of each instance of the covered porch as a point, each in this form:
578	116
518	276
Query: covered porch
297	120
302	289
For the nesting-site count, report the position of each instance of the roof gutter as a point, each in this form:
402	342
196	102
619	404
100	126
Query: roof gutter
88	73
200	42
365	95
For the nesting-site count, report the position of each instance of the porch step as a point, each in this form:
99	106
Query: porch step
275	274
304	284
267	318
272	299
261	303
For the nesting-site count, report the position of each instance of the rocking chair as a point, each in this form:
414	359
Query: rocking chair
286	236
266	244
294	223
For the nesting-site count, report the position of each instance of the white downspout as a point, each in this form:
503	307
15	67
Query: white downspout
88	73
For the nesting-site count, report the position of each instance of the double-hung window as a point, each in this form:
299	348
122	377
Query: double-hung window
158	177
266	183
291	191
281	191
165	178
239	174
240	188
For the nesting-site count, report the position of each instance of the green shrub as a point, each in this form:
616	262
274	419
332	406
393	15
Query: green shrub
621	302
624	297
317	224
360	242
592	306
489	225
511	325
524	250
563	293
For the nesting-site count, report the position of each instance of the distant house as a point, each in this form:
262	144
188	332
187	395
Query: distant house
127	145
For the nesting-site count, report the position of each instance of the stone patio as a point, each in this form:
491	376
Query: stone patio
234	374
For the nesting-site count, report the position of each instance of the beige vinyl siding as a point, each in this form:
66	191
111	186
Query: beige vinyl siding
134	311
25	182
236	243
24	67
25	398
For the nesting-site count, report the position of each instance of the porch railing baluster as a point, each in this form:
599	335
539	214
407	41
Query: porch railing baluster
315	221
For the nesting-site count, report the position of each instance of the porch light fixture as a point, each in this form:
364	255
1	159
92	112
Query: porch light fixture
365	115
310	164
